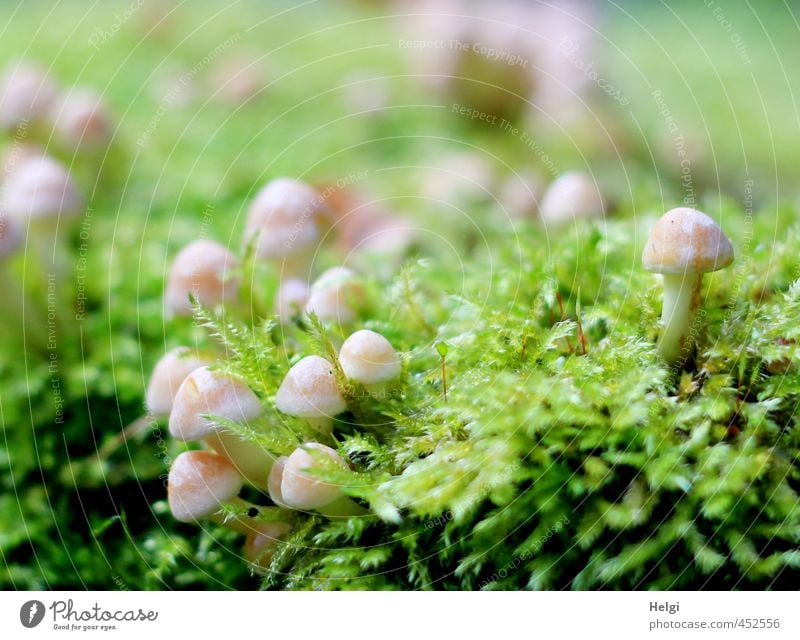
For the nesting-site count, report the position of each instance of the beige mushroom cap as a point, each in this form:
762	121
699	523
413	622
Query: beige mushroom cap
299	489
205	392
309	390
333	294
685	240
369	358
284	216
572	196
39	188
80	118
199	482
202	268
168	374
26	92
291	299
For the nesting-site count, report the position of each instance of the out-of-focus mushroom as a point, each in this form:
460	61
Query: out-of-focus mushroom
284	222
336	296
572	196
203	268
26	93
81	121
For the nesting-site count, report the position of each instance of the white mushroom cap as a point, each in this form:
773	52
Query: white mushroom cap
332	295
275	479
572	196
284	216
369	358
80	119
309	390
210	393
685	240
291	299
168	374
199	482
11	235
300	489
41	188
202	268
26	93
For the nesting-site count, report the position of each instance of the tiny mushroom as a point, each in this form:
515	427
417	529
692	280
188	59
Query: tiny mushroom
80	120
301	489
284	222
26	93
168	374
204	269
41	189
571	197
291	299
335	296
683	245
40	192
200	482
370	359
310	391
206	394
519	195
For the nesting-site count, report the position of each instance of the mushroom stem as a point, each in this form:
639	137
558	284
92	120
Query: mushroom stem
252	461
342	507
681	300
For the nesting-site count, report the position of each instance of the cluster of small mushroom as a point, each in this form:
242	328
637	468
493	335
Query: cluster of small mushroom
32	103
39	195
467	177
203	405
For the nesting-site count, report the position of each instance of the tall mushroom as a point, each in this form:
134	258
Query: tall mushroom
302	489
206	394
683	245
310	391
